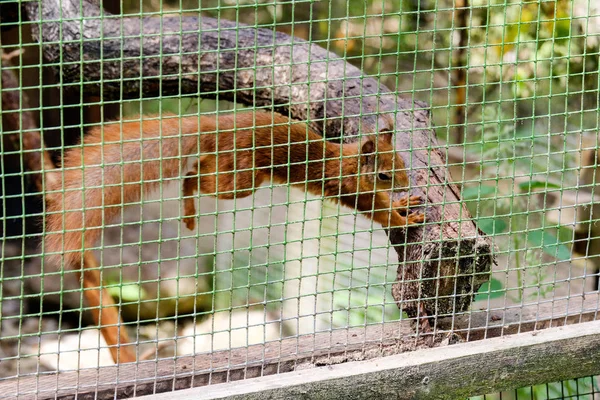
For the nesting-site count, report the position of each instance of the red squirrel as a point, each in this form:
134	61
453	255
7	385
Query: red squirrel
122	159
238	152
358	175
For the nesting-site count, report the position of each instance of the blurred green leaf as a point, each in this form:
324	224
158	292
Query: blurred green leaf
478	191
549	244
491	226
128	292
531	185
565	233
491	290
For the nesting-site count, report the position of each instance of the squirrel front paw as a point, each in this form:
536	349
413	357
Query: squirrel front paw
399	221
403	204
404	217
415	218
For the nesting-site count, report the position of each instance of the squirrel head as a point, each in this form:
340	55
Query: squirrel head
381	165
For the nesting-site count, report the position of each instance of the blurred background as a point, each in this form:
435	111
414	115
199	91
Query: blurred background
513	89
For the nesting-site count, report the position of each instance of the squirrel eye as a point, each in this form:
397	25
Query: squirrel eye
384	177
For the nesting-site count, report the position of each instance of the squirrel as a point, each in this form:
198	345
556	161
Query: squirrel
238	152
357	175
120	161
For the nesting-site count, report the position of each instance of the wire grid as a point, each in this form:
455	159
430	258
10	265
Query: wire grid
519	132
581	388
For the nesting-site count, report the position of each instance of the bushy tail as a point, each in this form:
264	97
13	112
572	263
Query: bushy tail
116	163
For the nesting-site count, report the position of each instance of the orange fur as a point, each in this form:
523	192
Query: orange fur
121	160
113	175
234	163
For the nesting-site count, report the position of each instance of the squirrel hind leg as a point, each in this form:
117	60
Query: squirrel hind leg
230	186
236	185
190	187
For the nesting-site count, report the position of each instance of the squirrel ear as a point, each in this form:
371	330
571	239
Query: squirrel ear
367	146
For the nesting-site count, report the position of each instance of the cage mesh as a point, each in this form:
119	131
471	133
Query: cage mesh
267	281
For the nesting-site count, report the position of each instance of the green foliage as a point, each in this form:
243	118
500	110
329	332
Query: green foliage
490	290
549	244
127	291
532	185
512	211
581	389
476	192
491	226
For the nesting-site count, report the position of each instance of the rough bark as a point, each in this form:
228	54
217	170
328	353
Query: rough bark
118	58
19	122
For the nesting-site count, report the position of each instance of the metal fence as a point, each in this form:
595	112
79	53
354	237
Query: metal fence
302	261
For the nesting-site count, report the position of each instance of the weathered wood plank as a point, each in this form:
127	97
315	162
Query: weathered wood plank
527	317
294	354
452	372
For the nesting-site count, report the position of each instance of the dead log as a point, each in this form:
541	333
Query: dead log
441	264
20	127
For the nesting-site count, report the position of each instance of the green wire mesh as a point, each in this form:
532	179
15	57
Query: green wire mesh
513	90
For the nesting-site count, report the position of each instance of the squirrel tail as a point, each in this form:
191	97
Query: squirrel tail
115	165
